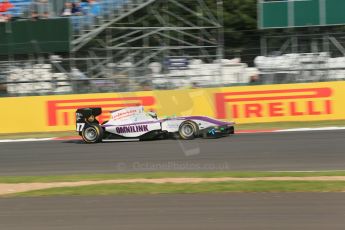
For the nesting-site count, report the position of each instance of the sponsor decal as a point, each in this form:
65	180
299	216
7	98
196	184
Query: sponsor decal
125	114
62	112
274	103
290	102
132	129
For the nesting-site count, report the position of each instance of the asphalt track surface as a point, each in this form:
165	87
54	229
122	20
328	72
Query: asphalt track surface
265	211
296	151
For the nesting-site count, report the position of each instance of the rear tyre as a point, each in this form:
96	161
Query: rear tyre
188	130
92	134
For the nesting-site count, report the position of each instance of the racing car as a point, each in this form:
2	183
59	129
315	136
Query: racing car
135	124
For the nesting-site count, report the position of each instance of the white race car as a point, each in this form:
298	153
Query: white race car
134	124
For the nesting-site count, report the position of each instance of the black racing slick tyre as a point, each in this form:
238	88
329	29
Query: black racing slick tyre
188	130
92	134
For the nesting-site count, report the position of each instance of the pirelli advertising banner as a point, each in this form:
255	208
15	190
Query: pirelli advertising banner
248	104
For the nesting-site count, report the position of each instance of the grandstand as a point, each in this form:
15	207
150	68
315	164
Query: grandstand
116	46
300	67
128	45
302	41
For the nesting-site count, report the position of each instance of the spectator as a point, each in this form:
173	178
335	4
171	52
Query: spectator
5	5
85	6
40	9
3	90
84	3
67	10
145	86
194	85
76	9
4	18
95	8
254	79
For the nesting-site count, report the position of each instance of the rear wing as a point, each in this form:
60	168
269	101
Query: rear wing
86	116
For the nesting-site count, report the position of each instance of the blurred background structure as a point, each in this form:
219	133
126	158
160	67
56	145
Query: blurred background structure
64	47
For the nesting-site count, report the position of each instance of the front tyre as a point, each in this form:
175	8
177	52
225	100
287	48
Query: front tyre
188	130
92	134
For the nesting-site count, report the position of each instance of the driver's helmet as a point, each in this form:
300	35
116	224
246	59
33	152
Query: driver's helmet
153	114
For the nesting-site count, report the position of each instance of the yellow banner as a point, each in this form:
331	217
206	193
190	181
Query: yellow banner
248	104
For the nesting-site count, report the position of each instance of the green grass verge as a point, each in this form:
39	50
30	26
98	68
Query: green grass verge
157	175
253	126
168	188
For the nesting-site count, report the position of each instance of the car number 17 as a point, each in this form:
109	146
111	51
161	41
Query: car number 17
80	127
